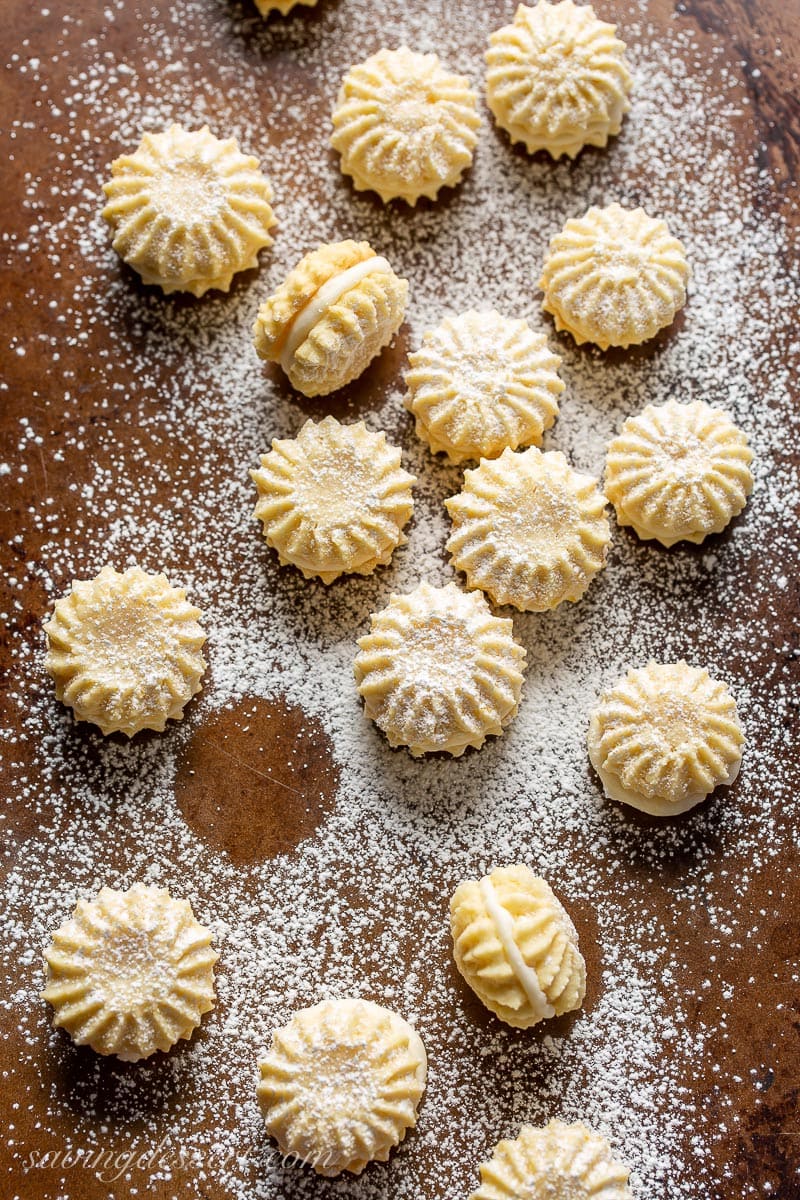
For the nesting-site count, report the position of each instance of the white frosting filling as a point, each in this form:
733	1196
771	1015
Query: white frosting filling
327	295
525	975
656	806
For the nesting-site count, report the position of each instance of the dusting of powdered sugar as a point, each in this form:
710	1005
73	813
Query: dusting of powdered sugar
361	907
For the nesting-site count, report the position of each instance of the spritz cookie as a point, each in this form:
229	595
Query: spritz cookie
529	530
341	1084
188	211
481	382
556	1162
404	125
438	671
265	7
130	972
125	650
558	79
516	946
334	312
664	737
614	277
333	500
678	472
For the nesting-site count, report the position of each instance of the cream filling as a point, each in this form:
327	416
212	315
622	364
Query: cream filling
526	976
327	295
656	806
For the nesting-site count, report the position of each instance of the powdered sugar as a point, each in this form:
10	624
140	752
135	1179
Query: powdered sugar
360	907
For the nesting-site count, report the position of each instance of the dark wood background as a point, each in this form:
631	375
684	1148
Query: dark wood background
765	1143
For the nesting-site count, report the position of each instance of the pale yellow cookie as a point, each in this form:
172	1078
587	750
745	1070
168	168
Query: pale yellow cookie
265	7
333	500
481	382
130	972
556	1162
341	1084
438	671
404	125
664	737
614	277
678	472
334	312
516	947
125	650
528	530
558	79
188	211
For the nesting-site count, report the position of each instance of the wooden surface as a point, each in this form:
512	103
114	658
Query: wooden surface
763	1143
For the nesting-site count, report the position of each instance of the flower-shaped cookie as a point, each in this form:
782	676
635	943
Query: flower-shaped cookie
481	382
125	650
341	1084
678	472
334	499
614	277
558	79
516	947
332	315
130	972
556	1162
664	737
188	210
528	530
405	126
438	671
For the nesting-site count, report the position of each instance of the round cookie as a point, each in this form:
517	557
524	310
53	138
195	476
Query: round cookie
334	312
188	211
556	1162
558	79
664	737
614	277
404	125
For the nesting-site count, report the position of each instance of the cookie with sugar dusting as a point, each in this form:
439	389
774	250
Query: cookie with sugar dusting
529	530
678	472
284	7
555	1162
481	382
125	650
341	1084
335	311
614	277
131	972
438	671
557	78
404	125
333	500
516	947
664	737
188	210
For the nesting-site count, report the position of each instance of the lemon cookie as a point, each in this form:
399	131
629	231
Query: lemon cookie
404	125
678	472
481	382
188	211
614	277
516	947
130	972
528	530
664	737
331	316
125	650
265	7
556	1162
333	500
341	1084
438	671
558	79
